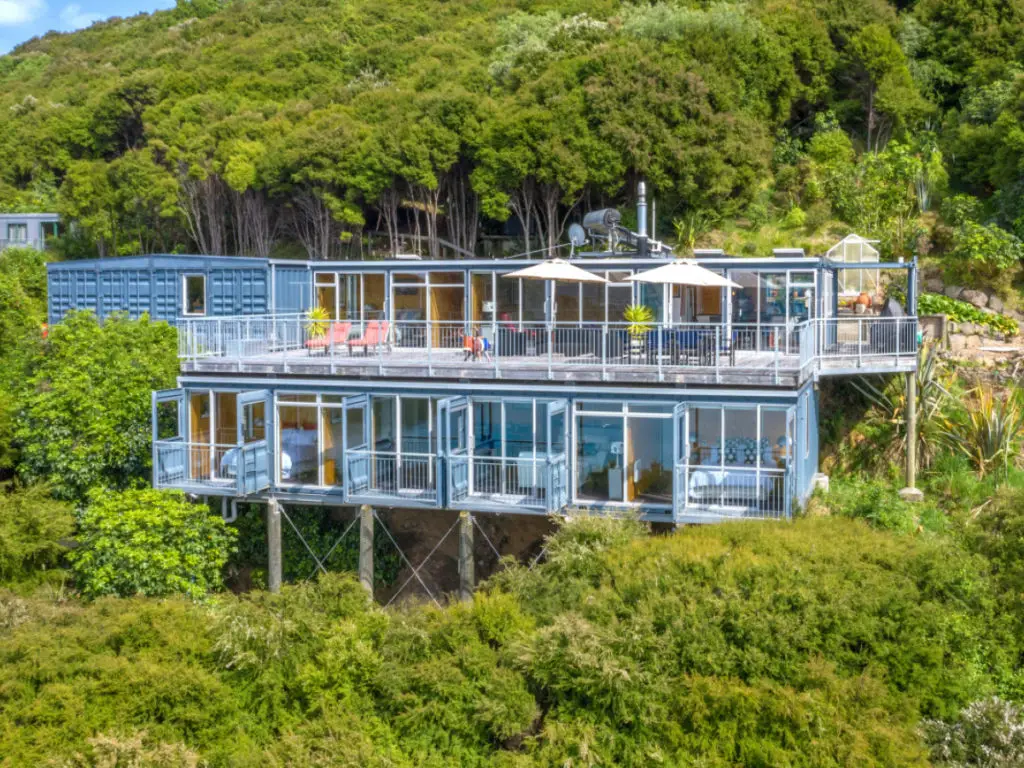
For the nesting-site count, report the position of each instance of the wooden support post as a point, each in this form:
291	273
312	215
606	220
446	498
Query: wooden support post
273	545
467	569
911	492
366	548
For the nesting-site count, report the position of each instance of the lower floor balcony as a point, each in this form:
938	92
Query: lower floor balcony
690	461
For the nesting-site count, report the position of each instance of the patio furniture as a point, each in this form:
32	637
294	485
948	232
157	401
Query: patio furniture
375	335
336	336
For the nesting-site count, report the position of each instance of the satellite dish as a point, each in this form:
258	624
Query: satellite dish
577	235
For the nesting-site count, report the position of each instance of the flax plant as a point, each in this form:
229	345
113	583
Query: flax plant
989	431
889	400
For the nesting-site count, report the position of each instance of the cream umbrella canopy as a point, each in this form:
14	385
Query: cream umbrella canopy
556	271
684	272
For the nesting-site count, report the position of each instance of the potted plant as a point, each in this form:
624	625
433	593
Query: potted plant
317	321
639	319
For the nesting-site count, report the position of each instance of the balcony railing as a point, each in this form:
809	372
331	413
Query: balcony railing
394	476
732	492
551	349
527	482
179	464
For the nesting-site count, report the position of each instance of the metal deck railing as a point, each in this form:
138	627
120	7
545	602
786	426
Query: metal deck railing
549	350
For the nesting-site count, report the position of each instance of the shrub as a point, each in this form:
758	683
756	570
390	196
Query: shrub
879	503
987	734
86	420
147	542
964	312
986	256
794	219
32	529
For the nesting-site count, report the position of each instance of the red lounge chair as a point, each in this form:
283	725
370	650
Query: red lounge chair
376	333
336	336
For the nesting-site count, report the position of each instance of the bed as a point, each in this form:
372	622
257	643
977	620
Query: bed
738	486
297	456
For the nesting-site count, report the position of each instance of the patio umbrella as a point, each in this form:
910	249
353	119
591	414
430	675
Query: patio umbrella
683	272
556	271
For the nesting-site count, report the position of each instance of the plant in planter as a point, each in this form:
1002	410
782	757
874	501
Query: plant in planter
639	319
317	321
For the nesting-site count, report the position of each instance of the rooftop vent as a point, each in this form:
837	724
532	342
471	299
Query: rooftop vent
791	253
708	252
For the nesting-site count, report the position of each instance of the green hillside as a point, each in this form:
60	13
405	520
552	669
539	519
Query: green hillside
820	643
264	126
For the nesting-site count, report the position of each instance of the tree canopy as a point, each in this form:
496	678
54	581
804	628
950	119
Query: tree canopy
259	126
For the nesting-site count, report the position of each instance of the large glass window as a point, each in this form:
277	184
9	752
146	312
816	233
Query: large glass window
416	425
298	456
254	422
533	301
508	300
567	301
599	459
486	428
774	443
17	233
706	436
373	297
740	448
195	294
649	455
332	421
482	297
519	432
354	428
382	428
325	284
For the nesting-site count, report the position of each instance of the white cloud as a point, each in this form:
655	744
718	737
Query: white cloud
14	13
73	17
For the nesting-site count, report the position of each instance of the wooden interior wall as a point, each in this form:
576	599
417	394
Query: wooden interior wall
227	421
710	301
373	295
480	291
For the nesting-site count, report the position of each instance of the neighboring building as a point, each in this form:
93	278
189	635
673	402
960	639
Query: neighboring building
27	229
442	384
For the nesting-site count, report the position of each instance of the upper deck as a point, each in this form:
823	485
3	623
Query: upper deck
687	353
781	324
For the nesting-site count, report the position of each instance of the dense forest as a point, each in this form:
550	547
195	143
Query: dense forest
292	127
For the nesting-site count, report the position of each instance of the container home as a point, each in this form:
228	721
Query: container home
448	385
169	288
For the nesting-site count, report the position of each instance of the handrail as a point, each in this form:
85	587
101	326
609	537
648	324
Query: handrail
548	347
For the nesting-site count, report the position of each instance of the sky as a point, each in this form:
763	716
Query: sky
21	20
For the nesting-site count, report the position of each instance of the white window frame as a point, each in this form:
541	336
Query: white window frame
184	295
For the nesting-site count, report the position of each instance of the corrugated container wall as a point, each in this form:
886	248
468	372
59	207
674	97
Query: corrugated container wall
293	288
155	284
